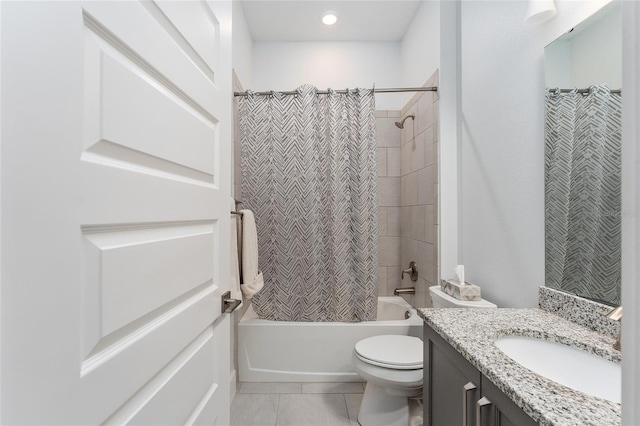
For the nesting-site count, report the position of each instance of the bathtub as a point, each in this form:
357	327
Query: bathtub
285	351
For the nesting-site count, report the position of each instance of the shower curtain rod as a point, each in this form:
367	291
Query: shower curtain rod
580	90
325	92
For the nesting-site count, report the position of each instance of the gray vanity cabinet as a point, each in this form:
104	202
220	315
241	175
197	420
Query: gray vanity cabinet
446	373
455	392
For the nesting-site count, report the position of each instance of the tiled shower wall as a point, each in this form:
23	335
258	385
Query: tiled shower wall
388	138
419	193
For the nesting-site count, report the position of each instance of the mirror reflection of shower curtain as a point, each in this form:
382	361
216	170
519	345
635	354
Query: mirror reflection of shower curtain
309	174
583	193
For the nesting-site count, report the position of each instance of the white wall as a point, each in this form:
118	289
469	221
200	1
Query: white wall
338	65
284	66
502	150
449	173
420	47
242	47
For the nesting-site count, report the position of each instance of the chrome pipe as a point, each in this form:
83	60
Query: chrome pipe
400	124
579	90
326	92
406	290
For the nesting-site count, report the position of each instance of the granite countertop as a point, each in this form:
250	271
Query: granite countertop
472	333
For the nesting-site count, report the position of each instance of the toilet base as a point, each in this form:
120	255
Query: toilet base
379	408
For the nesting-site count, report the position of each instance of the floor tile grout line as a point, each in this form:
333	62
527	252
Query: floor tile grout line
344	399
346	407
277	410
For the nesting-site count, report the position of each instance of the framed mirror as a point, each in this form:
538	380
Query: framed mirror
583	135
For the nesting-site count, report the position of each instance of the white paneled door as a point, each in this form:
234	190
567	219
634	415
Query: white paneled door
115	185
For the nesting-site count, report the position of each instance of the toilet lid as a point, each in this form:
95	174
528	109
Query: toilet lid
393	351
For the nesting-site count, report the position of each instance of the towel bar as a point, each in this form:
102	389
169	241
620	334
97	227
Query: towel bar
228	304
236	213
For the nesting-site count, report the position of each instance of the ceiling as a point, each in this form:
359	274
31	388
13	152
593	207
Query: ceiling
358	20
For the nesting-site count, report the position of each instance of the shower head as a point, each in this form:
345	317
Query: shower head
400	124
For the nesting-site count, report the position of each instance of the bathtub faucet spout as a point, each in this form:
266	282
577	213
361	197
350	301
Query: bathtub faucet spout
407	290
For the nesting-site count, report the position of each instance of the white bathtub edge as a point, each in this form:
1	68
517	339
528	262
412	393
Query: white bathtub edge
273	351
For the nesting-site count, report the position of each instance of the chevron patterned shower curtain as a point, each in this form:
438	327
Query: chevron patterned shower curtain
309	174
582	193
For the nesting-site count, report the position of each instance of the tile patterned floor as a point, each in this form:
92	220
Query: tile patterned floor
303	404
297	404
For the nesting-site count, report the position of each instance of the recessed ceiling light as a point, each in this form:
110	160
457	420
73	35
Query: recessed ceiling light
329	18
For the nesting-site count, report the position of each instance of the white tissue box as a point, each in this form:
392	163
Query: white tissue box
461	292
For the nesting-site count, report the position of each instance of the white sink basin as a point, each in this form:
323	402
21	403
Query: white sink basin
566	365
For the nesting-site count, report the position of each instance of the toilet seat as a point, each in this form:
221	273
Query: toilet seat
391	351
392	367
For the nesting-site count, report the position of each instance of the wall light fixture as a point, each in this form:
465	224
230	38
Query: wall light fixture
539	11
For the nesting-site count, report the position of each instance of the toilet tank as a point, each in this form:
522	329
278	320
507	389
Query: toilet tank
442	300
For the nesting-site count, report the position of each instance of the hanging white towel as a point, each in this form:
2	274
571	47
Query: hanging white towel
252	280
234	287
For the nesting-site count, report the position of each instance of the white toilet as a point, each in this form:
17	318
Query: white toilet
392	367
441	299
